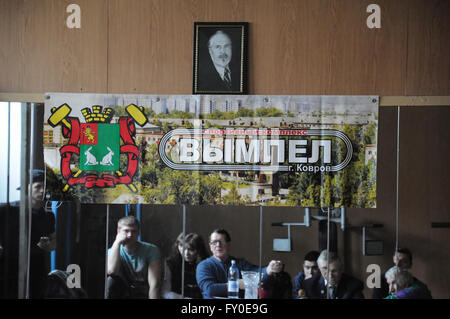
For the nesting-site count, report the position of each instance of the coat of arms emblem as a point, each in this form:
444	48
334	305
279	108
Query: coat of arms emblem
98	145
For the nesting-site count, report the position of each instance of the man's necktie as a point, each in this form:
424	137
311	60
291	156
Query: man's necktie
332	292
227	77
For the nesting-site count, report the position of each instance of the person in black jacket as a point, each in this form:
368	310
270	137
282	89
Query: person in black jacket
340	285
192	249
42	241
219	73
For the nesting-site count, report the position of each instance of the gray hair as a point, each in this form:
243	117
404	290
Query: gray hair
332	257
220	32
401	276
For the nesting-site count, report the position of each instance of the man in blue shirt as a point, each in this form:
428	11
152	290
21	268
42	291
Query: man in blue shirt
134	267
212	273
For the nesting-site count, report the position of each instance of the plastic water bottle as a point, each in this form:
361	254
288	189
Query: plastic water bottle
233	280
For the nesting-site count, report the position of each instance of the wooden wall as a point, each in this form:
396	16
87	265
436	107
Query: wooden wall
295	47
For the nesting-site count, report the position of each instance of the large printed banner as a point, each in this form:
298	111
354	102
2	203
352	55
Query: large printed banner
310	151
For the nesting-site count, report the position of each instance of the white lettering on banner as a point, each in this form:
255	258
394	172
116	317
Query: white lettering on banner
313	168
326	144
211	154
189	150
228	150
268	144
203	151
250	155
294	150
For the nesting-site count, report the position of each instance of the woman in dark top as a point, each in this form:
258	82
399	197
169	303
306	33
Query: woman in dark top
194	252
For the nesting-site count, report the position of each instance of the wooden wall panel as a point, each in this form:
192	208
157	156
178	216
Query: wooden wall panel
140	40
428	48
296	47
325	47
423	197
150	43
40	54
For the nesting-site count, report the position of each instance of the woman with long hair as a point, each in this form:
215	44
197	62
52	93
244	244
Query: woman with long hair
193	252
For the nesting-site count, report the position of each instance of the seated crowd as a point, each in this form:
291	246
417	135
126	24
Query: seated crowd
135	270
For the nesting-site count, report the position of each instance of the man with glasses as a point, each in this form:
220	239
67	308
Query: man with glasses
212	273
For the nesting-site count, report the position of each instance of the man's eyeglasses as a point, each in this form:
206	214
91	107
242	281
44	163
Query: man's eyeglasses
217	242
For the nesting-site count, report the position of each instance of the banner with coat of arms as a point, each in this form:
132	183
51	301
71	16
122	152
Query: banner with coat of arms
309	151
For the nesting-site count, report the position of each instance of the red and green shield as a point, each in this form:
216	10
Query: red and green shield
99	147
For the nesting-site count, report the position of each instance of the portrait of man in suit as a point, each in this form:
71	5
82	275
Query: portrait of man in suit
218	63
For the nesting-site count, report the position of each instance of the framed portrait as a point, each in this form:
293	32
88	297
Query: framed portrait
220	58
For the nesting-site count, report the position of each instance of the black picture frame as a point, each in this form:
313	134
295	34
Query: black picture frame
208	76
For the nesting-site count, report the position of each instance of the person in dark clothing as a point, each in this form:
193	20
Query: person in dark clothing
42	241
193	252
341	286
276	286
402	259
219	72
402	285
310	268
